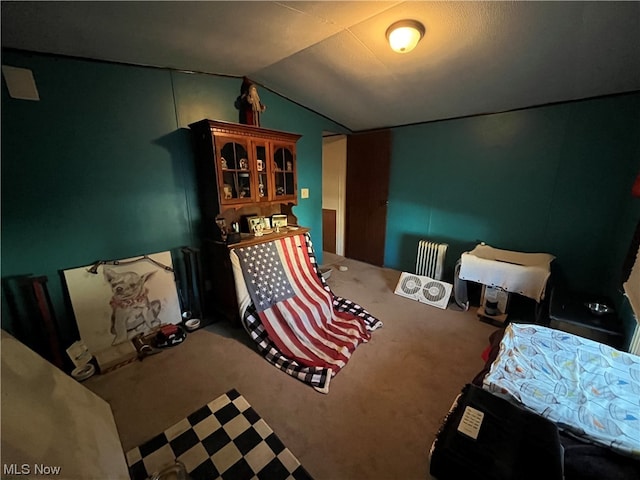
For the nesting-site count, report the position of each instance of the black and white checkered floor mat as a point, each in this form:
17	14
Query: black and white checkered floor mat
226	439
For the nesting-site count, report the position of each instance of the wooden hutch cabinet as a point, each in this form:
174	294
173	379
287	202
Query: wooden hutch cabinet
242	171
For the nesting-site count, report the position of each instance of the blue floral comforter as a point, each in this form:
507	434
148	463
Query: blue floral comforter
587	388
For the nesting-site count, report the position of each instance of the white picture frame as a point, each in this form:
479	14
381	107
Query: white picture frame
106	318
279	220
252	222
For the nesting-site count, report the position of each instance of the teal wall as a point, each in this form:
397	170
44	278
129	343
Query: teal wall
102	166
553	179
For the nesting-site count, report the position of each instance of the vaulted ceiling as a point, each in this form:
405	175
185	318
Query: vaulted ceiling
332	57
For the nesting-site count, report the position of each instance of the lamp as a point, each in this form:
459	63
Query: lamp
403	36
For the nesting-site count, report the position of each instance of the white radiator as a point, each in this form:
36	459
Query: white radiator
430	259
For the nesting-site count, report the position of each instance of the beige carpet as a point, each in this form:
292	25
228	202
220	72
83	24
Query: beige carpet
383	408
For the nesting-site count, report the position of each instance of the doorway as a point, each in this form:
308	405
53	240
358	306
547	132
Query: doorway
355	189
334	172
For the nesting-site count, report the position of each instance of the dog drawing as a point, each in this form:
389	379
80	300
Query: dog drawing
131	310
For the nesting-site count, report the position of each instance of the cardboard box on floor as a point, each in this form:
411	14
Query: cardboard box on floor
116	356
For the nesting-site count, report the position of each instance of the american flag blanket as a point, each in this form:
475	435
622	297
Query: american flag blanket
288	309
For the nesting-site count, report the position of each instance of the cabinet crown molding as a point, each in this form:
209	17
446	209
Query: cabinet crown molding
230	128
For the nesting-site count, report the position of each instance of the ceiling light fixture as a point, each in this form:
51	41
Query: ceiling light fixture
403	36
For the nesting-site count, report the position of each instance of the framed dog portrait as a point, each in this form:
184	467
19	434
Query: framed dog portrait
253	222
122	299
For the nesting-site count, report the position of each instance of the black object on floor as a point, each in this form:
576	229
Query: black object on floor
510	443
569	312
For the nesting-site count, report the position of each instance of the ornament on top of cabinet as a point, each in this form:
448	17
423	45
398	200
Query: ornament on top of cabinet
249	104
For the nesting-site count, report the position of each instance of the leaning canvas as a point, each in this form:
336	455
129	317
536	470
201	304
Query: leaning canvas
123	299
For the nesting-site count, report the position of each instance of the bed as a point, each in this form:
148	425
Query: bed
297	323
589	390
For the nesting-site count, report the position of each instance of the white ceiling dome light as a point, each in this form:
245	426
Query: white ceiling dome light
403	36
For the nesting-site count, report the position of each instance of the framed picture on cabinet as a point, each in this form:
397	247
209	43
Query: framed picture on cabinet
255	223
262	223
279	220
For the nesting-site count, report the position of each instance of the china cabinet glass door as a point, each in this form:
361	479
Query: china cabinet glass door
262	172
284	168
235	181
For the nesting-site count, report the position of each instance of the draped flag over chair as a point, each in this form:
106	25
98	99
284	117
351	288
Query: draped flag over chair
295	308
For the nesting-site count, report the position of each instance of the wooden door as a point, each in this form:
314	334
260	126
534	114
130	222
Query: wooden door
367	191
329	230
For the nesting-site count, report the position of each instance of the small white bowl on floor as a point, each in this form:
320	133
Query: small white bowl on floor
192	324
83	372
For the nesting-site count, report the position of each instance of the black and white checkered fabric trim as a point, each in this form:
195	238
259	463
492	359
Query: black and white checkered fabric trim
341	304
317	377
226	439
344	305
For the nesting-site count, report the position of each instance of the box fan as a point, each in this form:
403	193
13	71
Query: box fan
424	289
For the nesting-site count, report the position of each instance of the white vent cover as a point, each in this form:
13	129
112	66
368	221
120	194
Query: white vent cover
20	83
424	289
